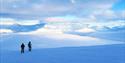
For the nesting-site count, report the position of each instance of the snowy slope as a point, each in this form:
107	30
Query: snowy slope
13	42
116	36
91	54
60	48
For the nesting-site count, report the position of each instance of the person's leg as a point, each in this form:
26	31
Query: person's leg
29	49
21	51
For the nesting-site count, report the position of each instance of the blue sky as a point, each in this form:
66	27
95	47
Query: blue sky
76	15
119	5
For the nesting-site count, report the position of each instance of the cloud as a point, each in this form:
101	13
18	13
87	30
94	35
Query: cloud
55	19
5	31
10	21
43	30
109	14
29	22
65	15
20	25
113	29
73	23
72	1
54	8
7	21
35	8
86	30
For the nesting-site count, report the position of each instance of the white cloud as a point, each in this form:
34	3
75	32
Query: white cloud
108	15
43	31
65	18
7	21
73	1
28	22
4	31
105	13
121	14
48	7
98	9
86	30
10	21
114	24
80	24
109	24
54	19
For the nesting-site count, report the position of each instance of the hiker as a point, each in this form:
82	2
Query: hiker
30	46
22	47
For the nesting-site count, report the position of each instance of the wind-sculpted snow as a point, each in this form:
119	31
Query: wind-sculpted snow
51	40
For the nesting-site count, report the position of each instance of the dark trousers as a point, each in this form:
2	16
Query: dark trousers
22	50
30	49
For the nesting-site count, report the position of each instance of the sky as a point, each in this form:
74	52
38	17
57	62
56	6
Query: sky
61	16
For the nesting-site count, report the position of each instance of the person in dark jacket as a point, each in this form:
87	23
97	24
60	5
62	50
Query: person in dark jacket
22	47
30	46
